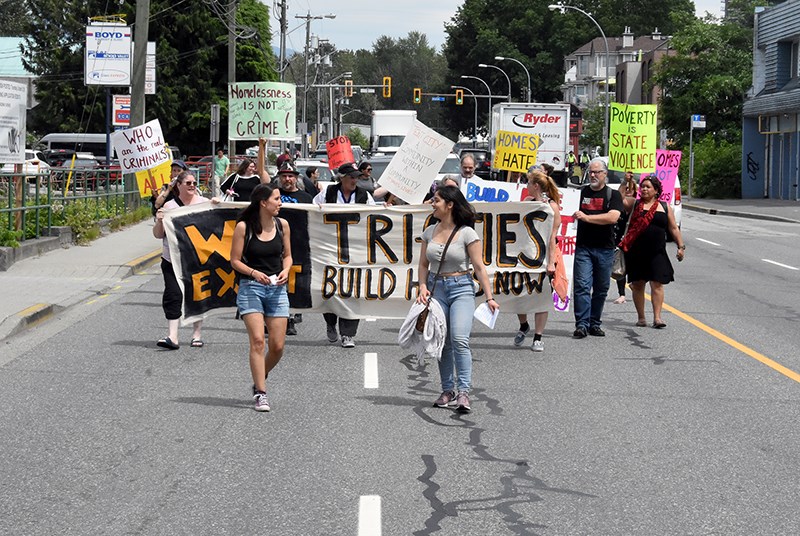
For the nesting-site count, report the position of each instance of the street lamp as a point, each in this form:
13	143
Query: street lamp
483	65
528	89
489	90
475	124
563	8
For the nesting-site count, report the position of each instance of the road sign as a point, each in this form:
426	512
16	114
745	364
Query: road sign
122	111
698	121
366	90
437	99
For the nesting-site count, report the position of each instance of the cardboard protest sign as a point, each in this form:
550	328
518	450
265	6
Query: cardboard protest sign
413	169
339	152
359	260
261	110
633	138
475	189
152	180
667	165
515	151
140	148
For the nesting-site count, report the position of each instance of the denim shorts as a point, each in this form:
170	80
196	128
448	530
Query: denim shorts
270	300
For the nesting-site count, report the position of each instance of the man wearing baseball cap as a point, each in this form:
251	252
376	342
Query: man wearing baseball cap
345	192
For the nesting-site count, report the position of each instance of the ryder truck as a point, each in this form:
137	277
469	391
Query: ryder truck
549	121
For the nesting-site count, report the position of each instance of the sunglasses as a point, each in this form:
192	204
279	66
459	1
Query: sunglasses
368	169
190	183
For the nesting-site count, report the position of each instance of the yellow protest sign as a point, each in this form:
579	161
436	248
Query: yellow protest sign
151	180
633	139
515	151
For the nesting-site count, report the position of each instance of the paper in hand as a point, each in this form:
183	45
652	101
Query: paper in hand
486	316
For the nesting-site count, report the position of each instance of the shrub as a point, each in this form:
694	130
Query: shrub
717	169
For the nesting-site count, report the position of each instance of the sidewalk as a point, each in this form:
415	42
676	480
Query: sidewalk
759	209
35	288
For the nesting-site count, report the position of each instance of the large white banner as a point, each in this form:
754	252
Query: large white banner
140	148
108	55
361	261
413	169
13	106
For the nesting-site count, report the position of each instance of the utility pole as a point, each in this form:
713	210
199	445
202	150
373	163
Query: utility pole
231	65
141	29
308	18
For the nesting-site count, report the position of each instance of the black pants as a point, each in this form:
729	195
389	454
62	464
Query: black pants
347	328
172	300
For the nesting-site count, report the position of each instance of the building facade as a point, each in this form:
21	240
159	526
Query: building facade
770	132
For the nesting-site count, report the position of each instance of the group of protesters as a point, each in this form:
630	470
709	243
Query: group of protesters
449	260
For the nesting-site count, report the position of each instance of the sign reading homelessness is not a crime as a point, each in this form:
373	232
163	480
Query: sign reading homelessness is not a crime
261	110
358	261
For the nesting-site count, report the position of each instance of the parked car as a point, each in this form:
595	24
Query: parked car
615	178
483	162
451	166
34	165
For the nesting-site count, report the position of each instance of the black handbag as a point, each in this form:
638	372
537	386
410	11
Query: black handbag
423	315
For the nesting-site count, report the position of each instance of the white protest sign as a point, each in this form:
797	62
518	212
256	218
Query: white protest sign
414	168
262	110
13	103
140	148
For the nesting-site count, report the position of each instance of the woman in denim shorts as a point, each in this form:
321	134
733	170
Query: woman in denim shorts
454	290
261	253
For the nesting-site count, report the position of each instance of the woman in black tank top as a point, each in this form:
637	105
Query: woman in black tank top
261	254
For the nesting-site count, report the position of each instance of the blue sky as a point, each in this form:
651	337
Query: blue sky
359	23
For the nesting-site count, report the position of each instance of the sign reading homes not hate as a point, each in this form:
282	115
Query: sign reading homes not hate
667	165
261	110
140	148
515	151
413	169
633	138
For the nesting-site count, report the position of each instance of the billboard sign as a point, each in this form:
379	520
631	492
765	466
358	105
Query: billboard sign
107	60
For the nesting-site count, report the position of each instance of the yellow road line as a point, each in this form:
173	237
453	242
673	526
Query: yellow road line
774	365
32	309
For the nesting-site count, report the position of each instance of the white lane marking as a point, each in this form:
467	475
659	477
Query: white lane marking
370	370
780	264
707	241
369	515
372	319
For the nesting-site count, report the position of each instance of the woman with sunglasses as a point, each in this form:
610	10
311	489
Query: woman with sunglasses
185	187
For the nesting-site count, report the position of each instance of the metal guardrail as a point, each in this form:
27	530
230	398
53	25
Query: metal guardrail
26	198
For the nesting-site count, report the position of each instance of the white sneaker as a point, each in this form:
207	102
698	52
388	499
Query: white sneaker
348	342
538	346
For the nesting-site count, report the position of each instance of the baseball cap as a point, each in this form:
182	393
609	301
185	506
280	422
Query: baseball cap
350	170
287	169
180	163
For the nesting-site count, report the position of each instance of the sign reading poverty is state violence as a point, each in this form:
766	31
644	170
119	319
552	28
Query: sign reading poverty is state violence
261	110
633	138
515	151
357	260
413	168
667	165
140	148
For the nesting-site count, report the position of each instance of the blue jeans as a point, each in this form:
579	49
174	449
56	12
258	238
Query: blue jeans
591	279
456	295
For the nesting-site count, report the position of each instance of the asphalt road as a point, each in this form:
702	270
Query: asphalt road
643	432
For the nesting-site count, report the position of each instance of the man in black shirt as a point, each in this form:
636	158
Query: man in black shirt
600	208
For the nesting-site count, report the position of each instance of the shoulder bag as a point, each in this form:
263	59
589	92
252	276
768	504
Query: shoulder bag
423	315
618	269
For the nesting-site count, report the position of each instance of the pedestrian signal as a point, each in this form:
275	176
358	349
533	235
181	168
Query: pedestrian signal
348	88
387	87
417	95
459	96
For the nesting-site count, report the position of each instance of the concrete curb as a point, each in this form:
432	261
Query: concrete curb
737	214
40	312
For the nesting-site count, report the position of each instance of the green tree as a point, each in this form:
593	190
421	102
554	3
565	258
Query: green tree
593	123
12	18
356	137
191	68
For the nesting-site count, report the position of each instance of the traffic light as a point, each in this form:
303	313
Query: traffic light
417	95
459	96
387	87
348	88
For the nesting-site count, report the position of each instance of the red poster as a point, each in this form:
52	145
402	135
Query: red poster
339	152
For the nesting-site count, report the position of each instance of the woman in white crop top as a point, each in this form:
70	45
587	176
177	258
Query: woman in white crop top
454	289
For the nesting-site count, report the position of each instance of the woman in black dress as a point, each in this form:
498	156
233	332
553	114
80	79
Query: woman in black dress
645	247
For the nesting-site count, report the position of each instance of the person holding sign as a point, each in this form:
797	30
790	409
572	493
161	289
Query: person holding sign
185	190
645	247
346	192
627	190
448	248
261	253
543	189
239	186
599	210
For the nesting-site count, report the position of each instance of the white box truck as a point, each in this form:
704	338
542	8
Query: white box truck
389	129
549	121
